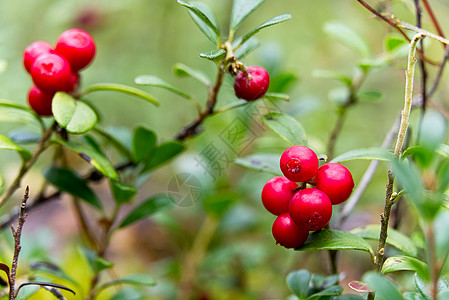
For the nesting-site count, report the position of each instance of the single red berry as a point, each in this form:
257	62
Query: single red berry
276	194
287	233
77	46
33	51
40	101
51	73
310	209
336	181
252	83
299	163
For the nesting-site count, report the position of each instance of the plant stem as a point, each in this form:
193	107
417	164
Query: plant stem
17	247
434	268
385	216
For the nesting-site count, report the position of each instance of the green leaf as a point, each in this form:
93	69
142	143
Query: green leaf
404	263
122	192
374	153
7	144
147	208
384	288
443	176
347	36
276	96
433	130
421	286
331	291
349	297
443	150
286	127
333	75
27	291
440	225
152	80
340	95
91	156
421	155
129	90
298	282
162	154
371	96
111	138
395	238
271	22
392	42
281	83
268	163
203	16
136	279
413	296
13	105
214	55
144	142
182	70
24	136
2	184
241	9
334	240
128	294
75	116
51	270
217	204
96	263
68	181
246	48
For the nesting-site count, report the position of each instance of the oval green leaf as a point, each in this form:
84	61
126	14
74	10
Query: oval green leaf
347	36
286	127
163	154
10	104
7	144
123	193
298	282
404	263
331	291
384	288
271	22
373	153
268	163
214	55
135	279
144	142
152	80
147	208
115	87
246	48
395	238
68	181
241	9
182	70
277	96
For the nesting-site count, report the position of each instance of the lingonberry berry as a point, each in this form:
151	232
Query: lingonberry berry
252	83
77	46
299	163
276	194
287	233
310	209
33	51
40	101
336	181
51	73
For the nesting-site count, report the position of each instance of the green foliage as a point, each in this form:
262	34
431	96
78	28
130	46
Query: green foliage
374	153
286	127
268	163
347	36
7	144
384	288
123	193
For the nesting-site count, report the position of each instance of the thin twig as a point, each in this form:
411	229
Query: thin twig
434	20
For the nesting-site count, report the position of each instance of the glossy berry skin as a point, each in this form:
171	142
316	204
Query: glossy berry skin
51	73
276	194
299	163
336	181
251	84
40	101
310	209
77	46
287	233
33	51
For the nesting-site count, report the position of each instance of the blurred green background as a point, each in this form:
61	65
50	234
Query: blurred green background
137	37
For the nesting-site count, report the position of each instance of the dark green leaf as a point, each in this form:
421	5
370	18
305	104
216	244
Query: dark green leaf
271	22
413	296
241	9
74	115
68	181
91	156
122	192
286	127
321	282
404	263
217	204
347	36
395	238
144	142
96	263
129	90
299	282
384	288
128	294
162	154
152	80
214	55
7	144
333	75
268	163
374	153
335	240
392	42
136	279
203	17
421	155
246	48
147	208
276	96
182	70
331	291
90	140
282	82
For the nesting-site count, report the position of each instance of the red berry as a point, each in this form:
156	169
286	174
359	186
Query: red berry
299	163
77	46
33	51
51	73
276	194
287	233
310	209
336	181
40	101
252	83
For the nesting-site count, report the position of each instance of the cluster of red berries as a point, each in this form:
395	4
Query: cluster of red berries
57	69
251	83
301	209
